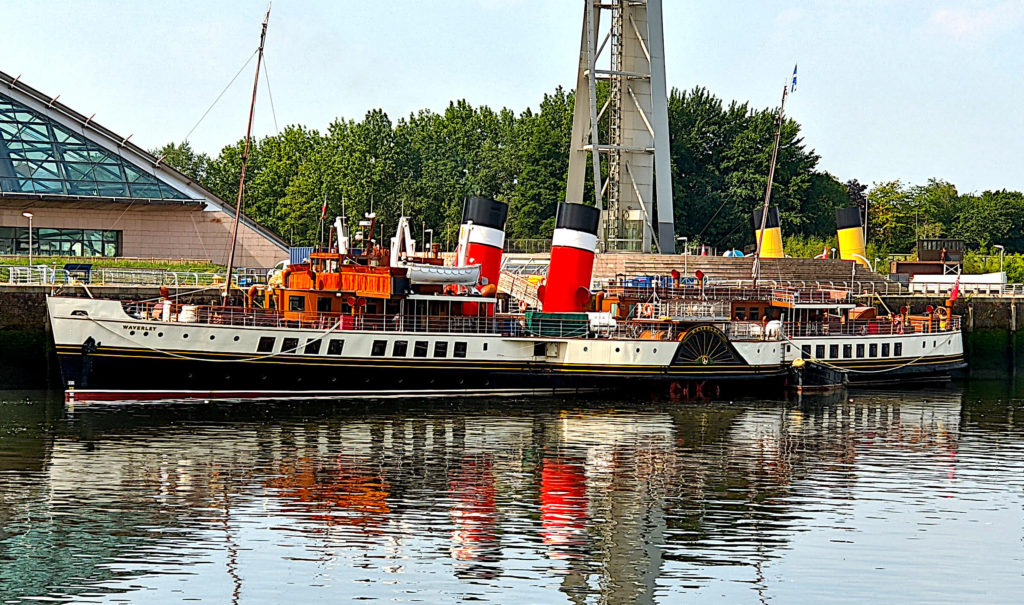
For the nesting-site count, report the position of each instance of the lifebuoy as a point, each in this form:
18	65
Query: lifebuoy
522	306
647	310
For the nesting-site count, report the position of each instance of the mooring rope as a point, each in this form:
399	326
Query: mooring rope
855	371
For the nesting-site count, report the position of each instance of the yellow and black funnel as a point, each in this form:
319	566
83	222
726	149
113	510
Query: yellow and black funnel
771	247
850	233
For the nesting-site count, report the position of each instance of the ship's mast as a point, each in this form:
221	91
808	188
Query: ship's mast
245	158
756	272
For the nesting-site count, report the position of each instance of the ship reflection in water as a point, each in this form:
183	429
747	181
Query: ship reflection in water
885	497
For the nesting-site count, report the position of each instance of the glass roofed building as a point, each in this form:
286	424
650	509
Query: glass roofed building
93	193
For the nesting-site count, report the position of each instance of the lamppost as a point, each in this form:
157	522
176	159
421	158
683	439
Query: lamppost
833	252
29	215
1001	250
686	243
431	232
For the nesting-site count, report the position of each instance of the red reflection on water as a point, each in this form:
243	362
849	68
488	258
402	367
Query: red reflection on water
563	506
474	512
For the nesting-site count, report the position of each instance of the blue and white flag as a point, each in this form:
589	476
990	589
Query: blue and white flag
792	87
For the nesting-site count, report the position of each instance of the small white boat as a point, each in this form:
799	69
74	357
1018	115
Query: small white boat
422	273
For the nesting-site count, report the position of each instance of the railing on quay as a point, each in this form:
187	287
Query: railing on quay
45	275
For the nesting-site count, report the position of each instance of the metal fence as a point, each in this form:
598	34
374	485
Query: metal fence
45	275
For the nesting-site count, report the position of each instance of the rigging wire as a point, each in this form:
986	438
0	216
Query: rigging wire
270	94
215	101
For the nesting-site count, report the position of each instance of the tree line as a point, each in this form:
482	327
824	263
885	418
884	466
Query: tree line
425	164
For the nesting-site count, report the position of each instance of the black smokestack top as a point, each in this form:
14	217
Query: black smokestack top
771	223
486	212
847	218
578	218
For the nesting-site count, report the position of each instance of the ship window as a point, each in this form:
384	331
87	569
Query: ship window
539	349
805	351
833	351
335	346
847	351
289	345
885	349
485	346
379	348
819	351
296	303
873	350
460	349
400	349
440	349
266	344
313	346
897	349
860	351
323	304
420	350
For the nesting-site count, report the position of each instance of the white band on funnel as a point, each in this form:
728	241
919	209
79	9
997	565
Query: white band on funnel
570	238
488	236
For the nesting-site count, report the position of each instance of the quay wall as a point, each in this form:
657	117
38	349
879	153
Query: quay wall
994	329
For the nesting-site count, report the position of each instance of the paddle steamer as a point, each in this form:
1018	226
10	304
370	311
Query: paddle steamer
394	323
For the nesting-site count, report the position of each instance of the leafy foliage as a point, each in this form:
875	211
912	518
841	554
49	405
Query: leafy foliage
425	164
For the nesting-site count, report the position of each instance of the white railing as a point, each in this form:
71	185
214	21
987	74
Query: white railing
44	275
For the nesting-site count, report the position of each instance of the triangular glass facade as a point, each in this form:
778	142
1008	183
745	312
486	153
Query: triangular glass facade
39	155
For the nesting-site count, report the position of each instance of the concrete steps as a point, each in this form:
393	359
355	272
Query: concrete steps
793	271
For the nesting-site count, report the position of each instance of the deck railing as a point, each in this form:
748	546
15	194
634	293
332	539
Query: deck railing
523	325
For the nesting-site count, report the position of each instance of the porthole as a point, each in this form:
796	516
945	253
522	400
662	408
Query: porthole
159	334
585	349
617	349
145	333
132	333
236	339
638	349
212	337
655	350
184	335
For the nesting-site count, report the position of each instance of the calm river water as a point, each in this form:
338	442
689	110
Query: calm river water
866	497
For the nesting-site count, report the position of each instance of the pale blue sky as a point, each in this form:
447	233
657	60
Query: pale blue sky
889	89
